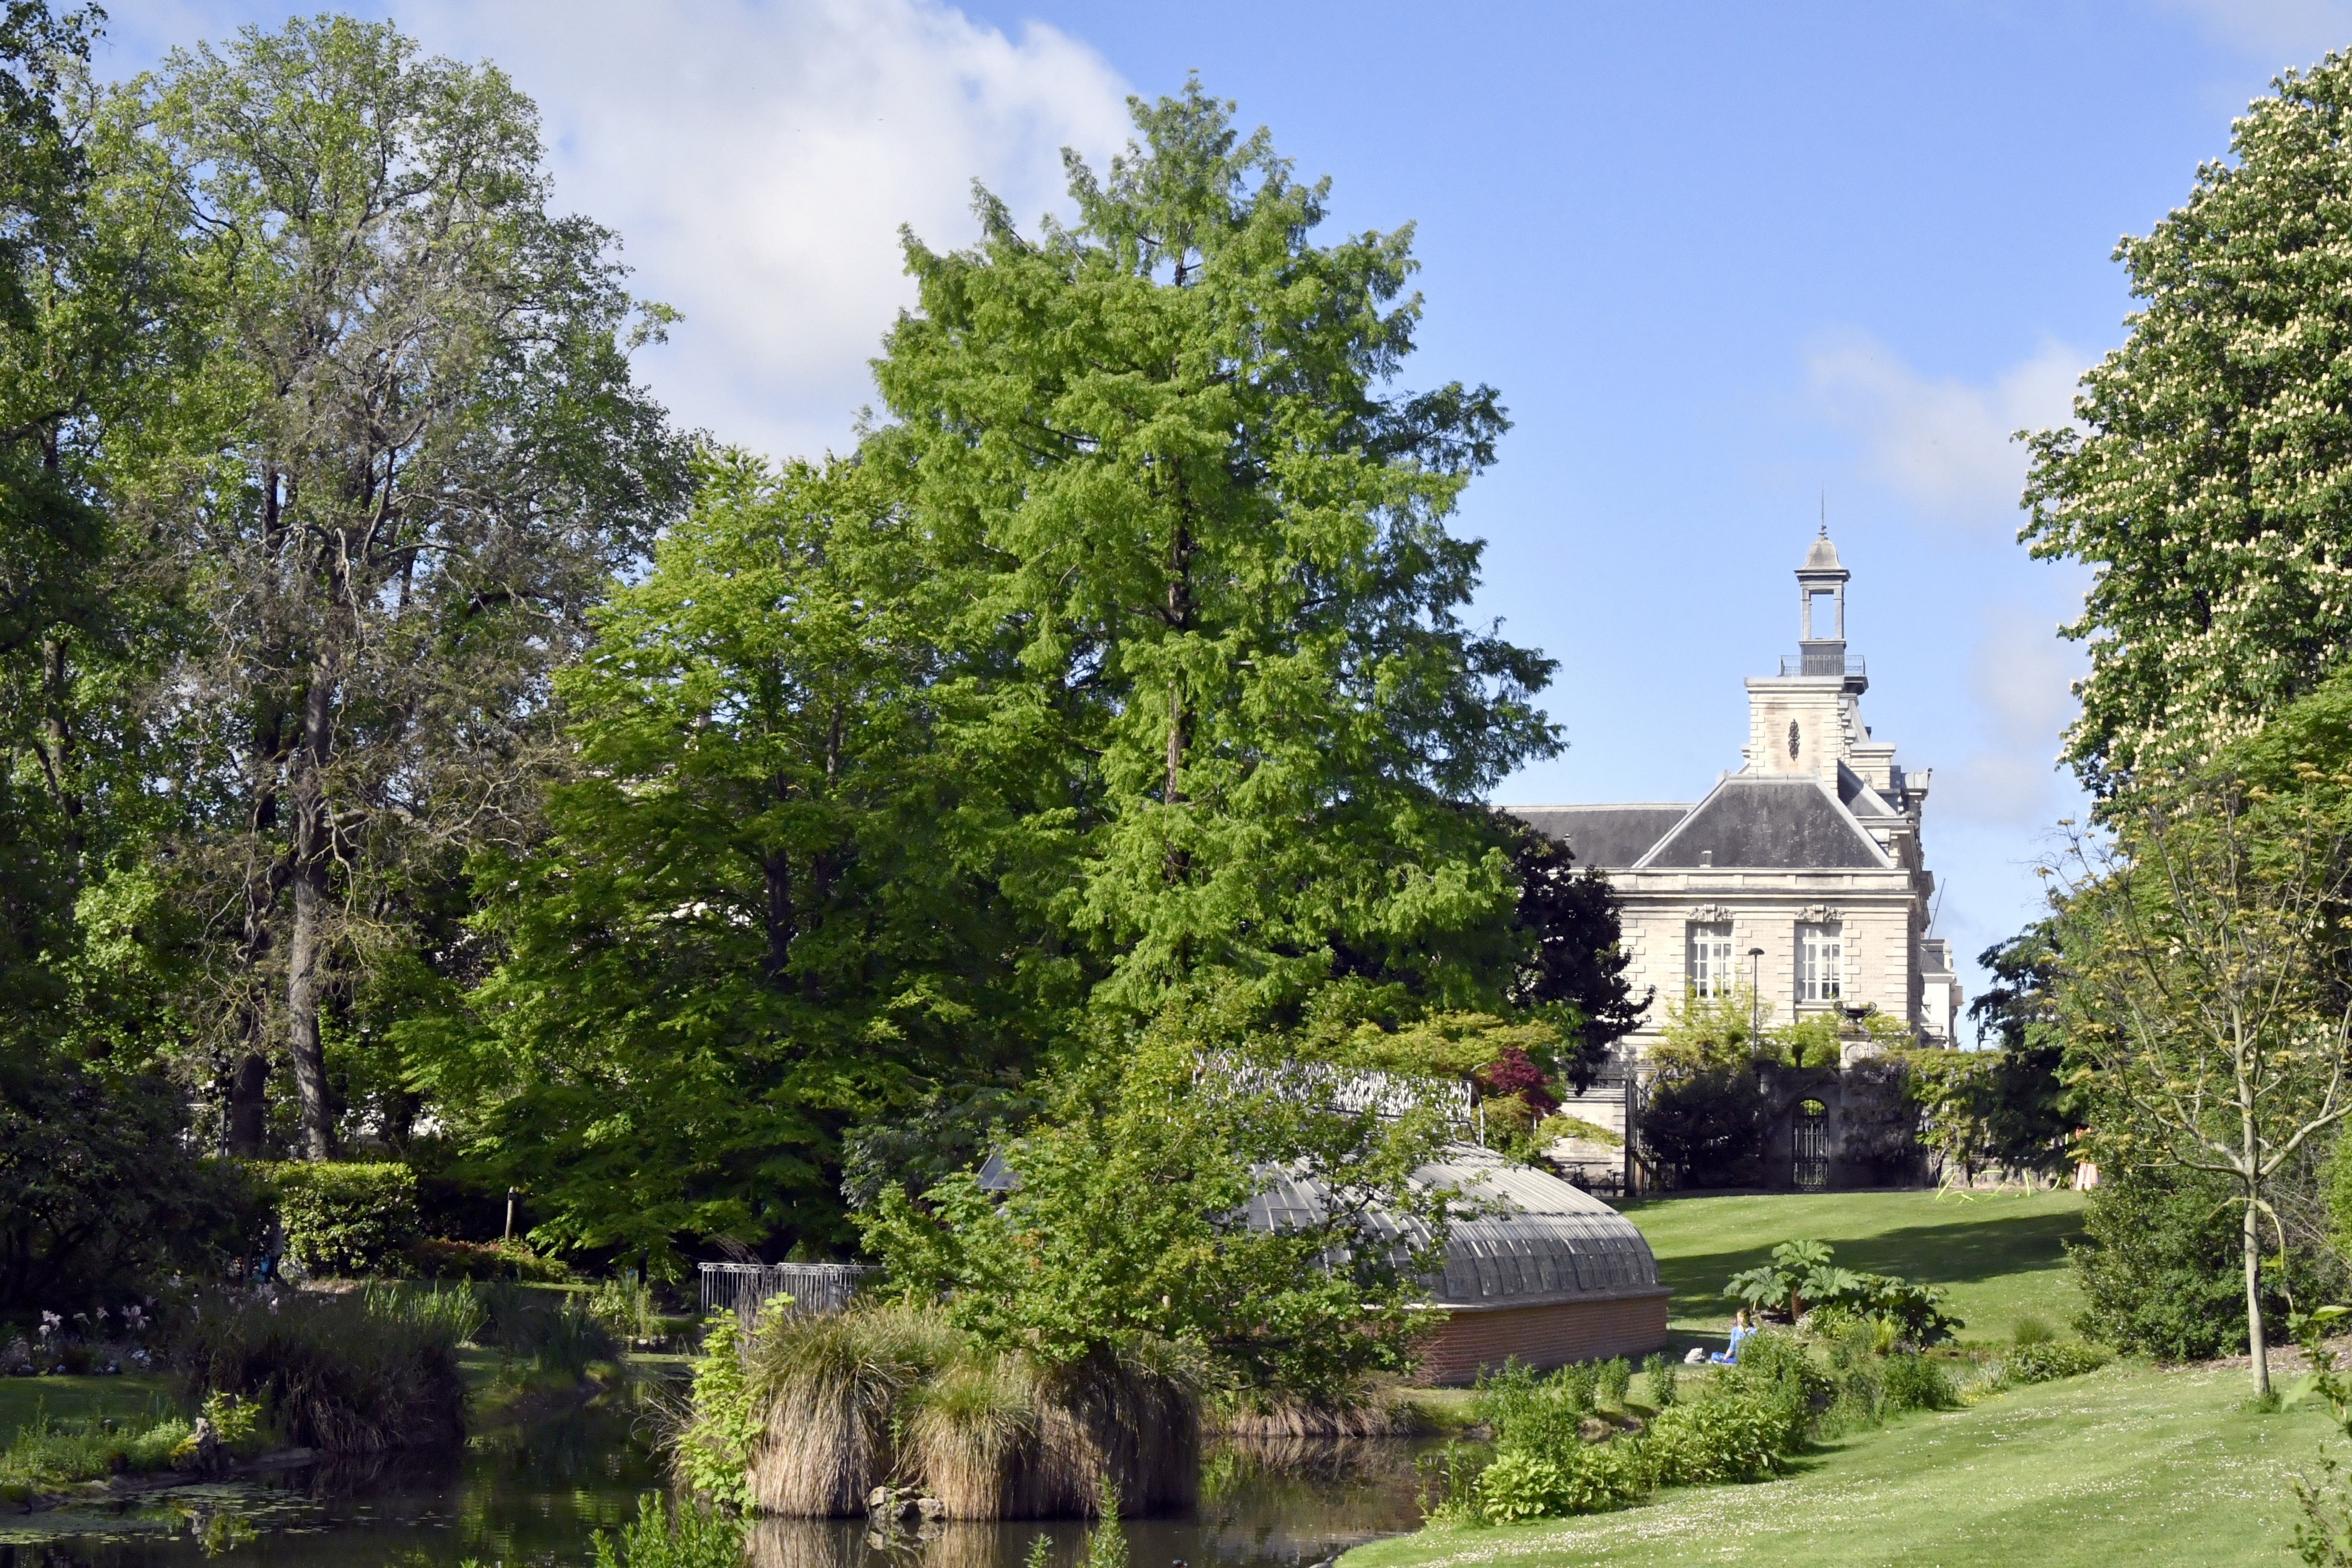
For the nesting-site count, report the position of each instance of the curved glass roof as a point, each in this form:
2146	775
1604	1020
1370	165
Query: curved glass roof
1518	1238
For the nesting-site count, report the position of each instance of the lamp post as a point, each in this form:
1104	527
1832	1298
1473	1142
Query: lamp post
1755	997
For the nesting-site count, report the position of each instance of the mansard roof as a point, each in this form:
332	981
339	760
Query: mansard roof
1610	837
1769	822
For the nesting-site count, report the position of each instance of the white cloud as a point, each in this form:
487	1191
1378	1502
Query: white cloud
2021	675
2286	32
758	160
1945	445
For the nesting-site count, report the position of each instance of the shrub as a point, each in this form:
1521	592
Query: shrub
1587	1477
1528	1410
2053	1359
1611	1382
1778	1376
2162	1270
1705	1129
1732	1437
345	1218
99	1195
712	1451
437	1258
1659	1369
682	1537
2031	1330
1915	1383
372	1369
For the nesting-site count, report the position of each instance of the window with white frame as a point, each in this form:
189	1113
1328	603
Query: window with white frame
1820	962
1710	959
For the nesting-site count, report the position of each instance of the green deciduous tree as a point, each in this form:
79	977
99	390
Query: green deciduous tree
2201	994
1196	553
765	908
420	454
1131	1216
2209	478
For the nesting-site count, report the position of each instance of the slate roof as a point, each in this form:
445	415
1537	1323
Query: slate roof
1610	837
1770	823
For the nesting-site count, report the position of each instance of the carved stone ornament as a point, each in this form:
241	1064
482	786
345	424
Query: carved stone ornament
1820	914
1710	915
1793	739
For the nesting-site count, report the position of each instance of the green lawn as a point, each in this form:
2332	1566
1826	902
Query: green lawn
2127	1465
132	1395
1999	1254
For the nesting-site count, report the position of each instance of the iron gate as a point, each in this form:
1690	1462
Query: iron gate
1812	1153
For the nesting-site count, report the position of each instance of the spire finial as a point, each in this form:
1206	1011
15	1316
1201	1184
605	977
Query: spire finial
1825	511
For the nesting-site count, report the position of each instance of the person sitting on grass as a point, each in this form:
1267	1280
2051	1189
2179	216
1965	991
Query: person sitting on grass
1741	1330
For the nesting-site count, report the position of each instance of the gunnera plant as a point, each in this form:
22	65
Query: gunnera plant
357	1372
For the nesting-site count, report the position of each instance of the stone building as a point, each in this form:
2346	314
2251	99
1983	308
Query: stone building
1801	873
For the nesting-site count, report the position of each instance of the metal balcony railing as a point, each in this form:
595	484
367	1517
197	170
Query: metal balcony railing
1823	662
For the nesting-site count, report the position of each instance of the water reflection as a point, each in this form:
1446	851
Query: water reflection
534	1496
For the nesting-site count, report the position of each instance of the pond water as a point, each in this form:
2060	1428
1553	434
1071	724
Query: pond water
534	1495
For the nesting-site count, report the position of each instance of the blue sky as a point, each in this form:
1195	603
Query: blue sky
1718	258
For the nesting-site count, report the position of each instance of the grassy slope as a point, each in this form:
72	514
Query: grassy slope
2127	1465
1998	1254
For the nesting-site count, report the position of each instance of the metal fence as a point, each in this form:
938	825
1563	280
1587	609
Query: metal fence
743	1289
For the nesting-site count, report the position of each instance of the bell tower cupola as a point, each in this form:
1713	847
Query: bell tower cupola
1820	610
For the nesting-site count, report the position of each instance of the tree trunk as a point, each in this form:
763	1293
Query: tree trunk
776	869
248	1106
311	851
2257	1348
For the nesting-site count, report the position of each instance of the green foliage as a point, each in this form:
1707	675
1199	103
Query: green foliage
1130	1218
2199	475
1915	1383
2324	1536
1705	1127
357	1372
1533	1411
1800	1272
1712	1033
412	454
760	914
1987	1109
1594	1478
1658	1370
682	1536
2160	1268
1734	1438
99	1195
1612	1382
1577	964
2052	1359
2205	950
1171	488
52	1452
436	1257
1105	1542
713	1447
348	1219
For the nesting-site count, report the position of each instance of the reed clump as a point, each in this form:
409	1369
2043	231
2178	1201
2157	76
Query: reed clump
357	1372
886	1393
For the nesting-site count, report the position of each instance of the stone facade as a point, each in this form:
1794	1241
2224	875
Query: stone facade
1801	872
